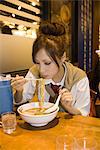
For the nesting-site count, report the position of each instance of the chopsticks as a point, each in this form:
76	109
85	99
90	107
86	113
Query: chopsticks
31	79
27	79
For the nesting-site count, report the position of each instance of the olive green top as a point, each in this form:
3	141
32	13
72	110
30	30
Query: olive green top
73	75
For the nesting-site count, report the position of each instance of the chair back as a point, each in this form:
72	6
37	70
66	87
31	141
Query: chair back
93	98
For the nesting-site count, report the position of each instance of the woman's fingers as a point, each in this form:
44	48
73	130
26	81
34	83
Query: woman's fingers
18	82
65	95
61	91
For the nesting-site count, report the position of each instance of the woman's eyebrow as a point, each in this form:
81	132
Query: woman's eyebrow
47	60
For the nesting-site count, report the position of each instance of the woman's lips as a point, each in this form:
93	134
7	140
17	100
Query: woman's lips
45	77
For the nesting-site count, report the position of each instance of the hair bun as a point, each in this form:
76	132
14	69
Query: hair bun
55	29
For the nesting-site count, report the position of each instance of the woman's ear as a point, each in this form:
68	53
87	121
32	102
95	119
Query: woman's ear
63	58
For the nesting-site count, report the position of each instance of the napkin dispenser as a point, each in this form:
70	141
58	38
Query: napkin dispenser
6	95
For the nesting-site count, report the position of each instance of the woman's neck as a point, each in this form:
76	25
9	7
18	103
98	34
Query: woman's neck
58	77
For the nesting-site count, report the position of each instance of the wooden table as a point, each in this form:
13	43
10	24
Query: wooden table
35	139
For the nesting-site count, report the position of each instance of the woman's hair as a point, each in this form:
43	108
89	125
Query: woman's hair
51	37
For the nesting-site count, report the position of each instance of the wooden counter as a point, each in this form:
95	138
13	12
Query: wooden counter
28	138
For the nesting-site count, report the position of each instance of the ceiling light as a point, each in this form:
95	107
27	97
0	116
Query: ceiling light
33	3
13	15
37	12
19	7
35	23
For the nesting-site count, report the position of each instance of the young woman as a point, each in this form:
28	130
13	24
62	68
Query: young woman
49	58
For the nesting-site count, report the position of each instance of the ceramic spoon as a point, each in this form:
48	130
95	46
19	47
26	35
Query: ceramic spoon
54	107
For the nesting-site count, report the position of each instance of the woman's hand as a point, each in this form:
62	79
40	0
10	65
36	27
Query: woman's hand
66	97
18	82
66	101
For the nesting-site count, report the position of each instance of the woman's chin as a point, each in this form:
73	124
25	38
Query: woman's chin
45	77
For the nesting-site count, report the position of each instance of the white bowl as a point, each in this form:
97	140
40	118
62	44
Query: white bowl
37	120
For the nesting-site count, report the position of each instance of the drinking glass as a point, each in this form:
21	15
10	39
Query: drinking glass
64	142
8	122
85	143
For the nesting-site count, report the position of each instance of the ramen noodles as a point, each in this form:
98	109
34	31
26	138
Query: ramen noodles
42	88
39	91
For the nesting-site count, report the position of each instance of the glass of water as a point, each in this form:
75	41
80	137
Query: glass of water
8	122
85	143
64	142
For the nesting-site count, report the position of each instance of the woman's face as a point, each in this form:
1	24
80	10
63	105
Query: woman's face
47	67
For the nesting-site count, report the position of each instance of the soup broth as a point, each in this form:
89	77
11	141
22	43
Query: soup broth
34	111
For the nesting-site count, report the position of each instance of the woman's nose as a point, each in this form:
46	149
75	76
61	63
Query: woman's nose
42	69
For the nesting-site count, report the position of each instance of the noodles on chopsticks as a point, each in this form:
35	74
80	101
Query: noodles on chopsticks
41	92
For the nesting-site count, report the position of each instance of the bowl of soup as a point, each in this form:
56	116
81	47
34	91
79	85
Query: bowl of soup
34	115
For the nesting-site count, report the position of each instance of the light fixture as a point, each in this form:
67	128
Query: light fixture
98	53
19	7
13	15
35	23
37	12
33	3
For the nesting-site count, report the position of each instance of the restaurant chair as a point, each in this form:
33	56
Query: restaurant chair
93	98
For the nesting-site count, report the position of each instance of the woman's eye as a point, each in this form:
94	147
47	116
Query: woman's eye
48	63
36	63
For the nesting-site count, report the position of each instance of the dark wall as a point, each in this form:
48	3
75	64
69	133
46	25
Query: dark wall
96	23
74	32
46	9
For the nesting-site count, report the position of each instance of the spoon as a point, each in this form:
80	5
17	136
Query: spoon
54	107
